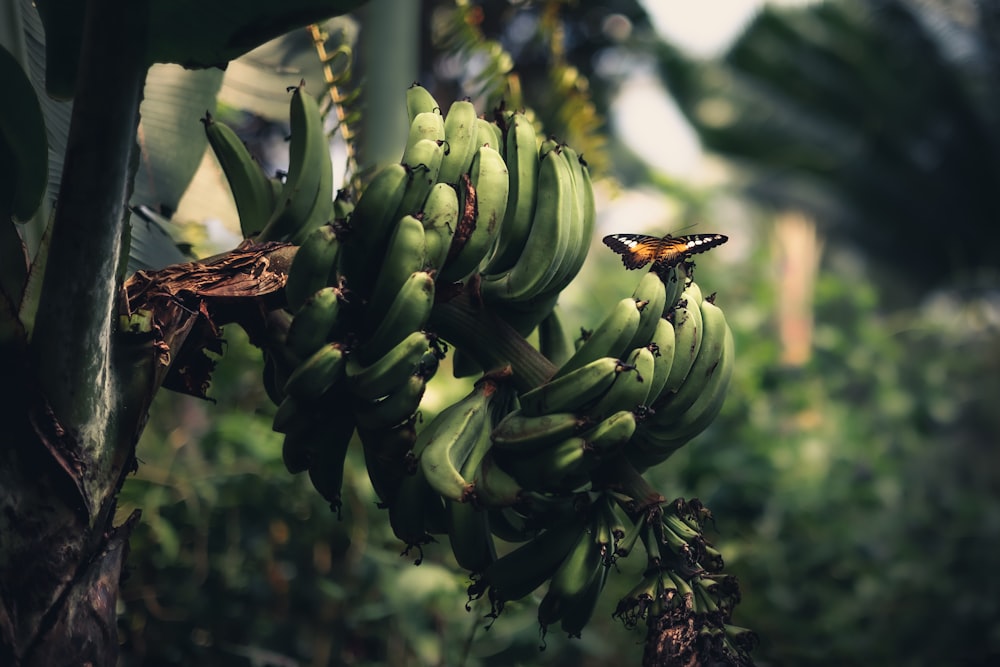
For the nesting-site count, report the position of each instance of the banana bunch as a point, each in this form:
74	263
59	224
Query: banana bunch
555	470
268	209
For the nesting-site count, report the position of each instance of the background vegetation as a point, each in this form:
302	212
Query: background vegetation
855	486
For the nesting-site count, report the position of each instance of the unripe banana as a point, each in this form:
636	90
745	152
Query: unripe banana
419	100
415	511
460	135
571	582
386	458
609	339
573	391
371	224
558	468
405	255
631	388
482	204
315	322
521	156
705	408
308	150
317	374
407	313
470	536
389	371
422	162
714	331
452	437
510	526
548	240
494	487
440	219
326	466
488	134
580	228
662	344
687	335
250	186
518	573
651	296
427	125
612	433
395	408
314	266
517	432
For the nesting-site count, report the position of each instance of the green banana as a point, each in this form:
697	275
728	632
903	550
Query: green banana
713	337
573	391
510	526
494	487
326	464
651	296
470	536
407	313
583	219
250	186
631	388
519	572
315	322
308	150
427	125
395	408
663	339
314	266
559	468
488	134
482	204
314	376
321	211
687	339
517	432
422	162
460	135
571	581
548	240
675	279
440	219
386	458
371	223
609	339
389	371
521	156
552	339
676	432
405	255
419	100
453	436
414	512
611	433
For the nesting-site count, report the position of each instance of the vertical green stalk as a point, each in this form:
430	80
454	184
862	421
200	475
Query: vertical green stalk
71	344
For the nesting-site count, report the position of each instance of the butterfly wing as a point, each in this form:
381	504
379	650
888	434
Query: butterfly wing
676	250
637	250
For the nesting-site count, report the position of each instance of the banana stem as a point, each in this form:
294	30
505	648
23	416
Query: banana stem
490	340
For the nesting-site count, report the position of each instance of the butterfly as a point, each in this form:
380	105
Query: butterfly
638	250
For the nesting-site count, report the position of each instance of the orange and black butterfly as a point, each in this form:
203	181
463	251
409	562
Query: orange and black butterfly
638	250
